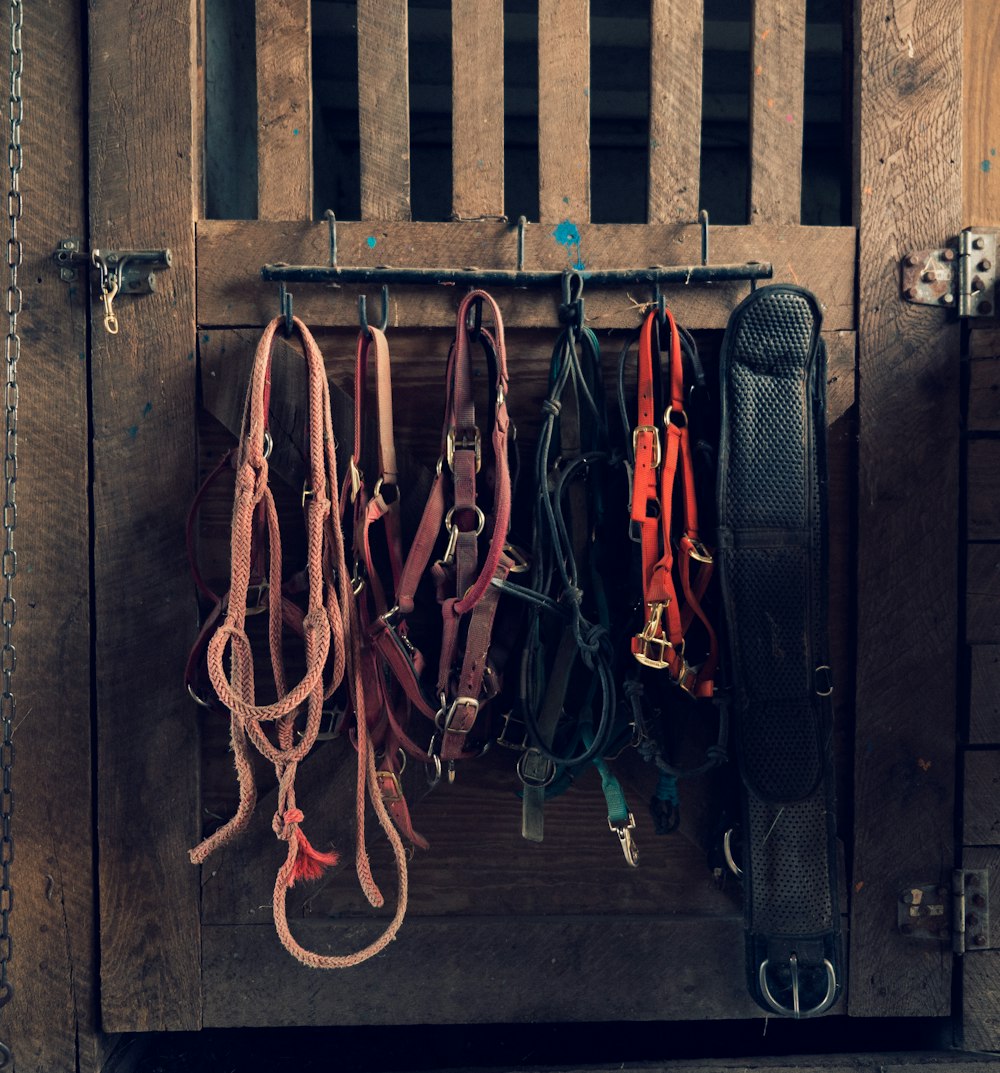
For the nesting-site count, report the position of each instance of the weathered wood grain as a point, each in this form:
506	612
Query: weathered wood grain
984	695
982	597
51	1023
984	394
908	95
778	31
576	967
984	342
384	109
564	113
981	998
143	387
231	293
981	132
983	489
284	110
981	826
477	109
676	34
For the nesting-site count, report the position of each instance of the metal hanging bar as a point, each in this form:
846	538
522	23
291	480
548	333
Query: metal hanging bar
286	273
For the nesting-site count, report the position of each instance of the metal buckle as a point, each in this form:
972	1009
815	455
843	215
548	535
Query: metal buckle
443	718
394	791
453	443
625	839
532	757
796	1011
356	476
649	638
260	603
687	678
504	742
657	453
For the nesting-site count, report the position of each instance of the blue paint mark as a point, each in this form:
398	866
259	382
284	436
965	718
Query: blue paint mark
568	235
371	242
295	131
985	165
191	356
204	338
993	152
565	200
133	432
147	409
82	355
586	91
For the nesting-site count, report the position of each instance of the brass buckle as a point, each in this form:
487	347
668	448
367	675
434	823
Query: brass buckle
649	638
260	603
453	443
657	453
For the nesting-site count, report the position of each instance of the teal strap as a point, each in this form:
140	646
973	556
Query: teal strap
614	795
666	789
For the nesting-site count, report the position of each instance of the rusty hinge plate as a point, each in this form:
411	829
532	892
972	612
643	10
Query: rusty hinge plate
956	914
960	276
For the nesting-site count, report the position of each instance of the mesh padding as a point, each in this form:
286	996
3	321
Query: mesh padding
780	750
789	867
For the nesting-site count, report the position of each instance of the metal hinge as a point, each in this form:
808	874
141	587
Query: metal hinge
118	272
960	276
958	914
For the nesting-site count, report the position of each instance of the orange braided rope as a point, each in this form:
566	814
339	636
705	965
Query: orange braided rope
329	636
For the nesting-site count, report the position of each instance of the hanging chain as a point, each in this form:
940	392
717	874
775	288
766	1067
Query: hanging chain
8	559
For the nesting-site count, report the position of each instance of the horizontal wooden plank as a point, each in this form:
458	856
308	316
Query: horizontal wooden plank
231	293
984	342
483	971
984	699
984	392
983	489
982	798
982	602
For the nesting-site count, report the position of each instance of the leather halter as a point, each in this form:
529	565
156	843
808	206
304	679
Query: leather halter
372	511
463	579
673	584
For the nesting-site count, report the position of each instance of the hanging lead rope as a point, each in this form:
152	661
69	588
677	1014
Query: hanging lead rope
12	351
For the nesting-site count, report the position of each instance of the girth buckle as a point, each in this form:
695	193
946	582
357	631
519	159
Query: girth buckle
624	829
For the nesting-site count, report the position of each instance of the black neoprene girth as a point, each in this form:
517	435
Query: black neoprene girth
772	562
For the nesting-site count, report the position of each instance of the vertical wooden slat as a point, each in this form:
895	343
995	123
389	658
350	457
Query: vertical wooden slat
564	110
384	109
143	399
980	970
777	93
908	94
981	146
284	110
51	1023
477	109
675	62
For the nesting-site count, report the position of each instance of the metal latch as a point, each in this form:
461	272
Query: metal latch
958	914
118	271
964	278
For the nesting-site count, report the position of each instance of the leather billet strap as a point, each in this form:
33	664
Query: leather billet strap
772	562
474	538
673	587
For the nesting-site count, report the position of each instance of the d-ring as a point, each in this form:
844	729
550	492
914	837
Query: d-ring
796	1011
727	852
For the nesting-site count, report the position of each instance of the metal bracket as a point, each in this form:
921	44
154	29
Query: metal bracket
964	278
958	914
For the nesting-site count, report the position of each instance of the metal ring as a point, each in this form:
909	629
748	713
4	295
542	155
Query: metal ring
268	445
435	760
669	413
480	519
198	700
796	1011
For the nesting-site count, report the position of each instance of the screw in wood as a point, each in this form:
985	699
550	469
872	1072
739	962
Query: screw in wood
948	255
978	243
979	940
986	308
985	265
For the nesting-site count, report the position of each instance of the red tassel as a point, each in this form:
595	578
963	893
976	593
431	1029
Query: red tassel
309	862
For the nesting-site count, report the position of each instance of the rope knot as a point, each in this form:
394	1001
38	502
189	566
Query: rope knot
551	406
294	815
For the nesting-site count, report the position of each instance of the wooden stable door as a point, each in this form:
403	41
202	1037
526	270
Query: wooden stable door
183	948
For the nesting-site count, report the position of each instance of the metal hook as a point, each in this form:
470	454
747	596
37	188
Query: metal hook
474	317
331	221
703	220
661	305
285	307
363	310
571	311
522	222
